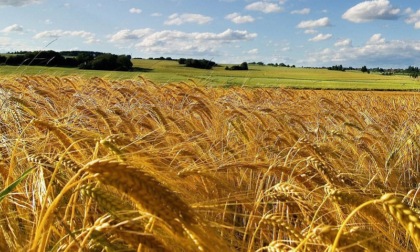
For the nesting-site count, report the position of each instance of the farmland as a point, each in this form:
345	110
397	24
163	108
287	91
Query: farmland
108	164
164	72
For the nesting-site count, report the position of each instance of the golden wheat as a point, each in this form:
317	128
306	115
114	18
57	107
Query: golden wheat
144	189
205	168
404	215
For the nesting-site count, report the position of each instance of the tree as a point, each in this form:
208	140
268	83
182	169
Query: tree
242	66
365	69
108	61
203	63
3	59
413	72
337	68
84	57
182	61
16	60
124	62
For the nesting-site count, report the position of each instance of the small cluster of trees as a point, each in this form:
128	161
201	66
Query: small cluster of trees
195	63
242	66
108	61
337	68
41	58
364	69
412	71
259	63
280	65
80	59
161	58
270	64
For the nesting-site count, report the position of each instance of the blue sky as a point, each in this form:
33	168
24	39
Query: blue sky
383	33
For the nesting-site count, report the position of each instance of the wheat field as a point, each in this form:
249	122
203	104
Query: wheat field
89	164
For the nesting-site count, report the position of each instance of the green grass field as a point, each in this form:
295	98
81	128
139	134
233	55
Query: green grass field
162	71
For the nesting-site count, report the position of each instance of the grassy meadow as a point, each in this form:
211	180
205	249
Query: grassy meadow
165	72
104	164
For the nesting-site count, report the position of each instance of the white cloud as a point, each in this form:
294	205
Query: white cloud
376	39
177	19
127	35
310	31
343	43
156	14
18	2
303	11
8	45
413	18
238	19
371	10
265	7
320	37
309	24
253	51
135	11
54	34
175	42
13	28
377	51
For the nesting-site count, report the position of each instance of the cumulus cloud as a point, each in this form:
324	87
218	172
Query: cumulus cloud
310	24
253	51
376	39
12	28
320	37
135	10
54	34
238	19
179	19
343	43
371	10
127	35
17	3
413	18
377	51
179	42
303	11
265	7
310	31
9	44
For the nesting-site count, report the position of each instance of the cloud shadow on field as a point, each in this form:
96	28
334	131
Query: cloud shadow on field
141	69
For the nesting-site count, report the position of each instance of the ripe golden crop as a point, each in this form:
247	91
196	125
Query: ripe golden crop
91	164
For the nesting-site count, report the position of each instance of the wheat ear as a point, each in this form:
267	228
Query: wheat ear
144	190
404	215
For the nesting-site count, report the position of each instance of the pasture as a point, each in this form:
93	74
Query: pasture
104	164
165	72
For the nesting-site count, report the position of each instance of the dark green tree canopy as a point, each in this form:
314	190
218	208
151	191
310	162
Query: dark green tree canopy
242	66
81	59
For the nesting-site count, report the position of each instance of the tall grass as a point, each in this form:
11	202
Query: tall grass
91	164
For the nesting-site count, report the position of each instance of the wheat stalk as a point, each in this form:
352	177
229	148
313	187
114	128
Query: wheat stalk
409	219
144	190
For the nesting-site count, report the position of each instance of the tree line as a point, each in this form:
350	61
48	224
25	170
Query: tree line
197	63
411	71
80	59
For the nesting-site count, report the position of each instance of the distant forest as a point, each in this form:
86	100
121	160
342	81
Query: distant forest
80	59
